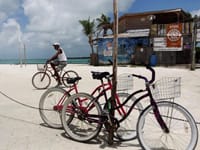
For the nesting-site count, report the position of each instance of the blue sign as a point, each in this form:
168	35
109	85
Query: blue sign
126	48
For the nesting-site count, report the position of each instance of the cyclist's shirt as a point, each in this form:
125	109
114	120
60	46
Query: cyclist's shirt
62	56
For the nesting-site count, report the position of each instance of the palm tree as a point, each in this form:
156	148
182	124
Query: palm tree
104	24
88	29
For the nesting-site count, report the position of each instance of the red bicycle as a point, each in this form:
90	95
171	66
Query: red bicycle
51	102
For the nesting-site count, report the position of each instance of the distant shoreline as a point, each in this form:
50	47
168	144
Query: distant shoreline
71	60
78	57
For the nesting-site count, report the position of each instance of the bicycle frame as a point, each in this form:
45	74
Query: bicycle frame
107	87
100	90
147	93
59	106
48	69
152	102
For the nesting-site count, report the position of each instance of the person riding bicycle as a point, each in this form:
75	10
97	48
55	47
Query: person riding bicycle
58	61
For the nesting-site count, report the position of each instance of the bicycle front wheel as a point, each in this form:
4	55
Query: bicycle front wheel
41	80
50	106
69	74
183	132
80	117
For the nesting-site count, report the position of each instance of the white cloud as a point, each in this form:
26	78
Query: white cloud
123	5
10	39
8	7
50	21
195	12
3	16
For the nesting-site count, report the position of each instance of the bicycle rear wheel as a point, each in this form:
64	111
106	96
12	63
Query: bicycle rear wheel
85	124
127	129
41	80
69	74
183	132
50	105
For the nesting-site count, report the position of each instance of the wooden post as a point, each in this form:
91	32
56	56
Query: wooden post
194	35
114	79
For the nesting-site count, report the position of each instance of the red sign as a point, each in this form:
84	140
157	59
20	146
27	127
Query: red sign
174	34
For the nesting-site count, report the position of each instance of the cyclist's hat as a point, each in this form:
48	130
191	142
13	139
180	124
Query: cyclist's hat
56	44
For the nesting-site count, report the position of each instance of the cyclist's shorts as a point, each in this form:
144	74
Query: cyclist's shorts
62	64
59	64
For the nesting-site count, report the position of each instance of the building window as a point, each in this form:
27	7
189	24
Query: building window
186	28
153	30
161	29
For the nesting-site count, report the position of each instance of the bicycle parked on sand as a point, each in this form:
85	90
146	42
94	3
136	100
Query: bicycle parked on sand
163	124
51	102
42	78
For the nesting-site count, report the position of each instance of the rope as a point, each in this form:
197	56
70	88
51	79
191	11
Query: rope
17	101
32	107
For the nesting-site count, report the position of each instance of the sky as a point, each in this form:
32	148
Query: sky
37	24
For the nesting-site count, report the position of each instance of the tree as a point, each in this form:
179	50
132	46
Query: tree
88	29
104	24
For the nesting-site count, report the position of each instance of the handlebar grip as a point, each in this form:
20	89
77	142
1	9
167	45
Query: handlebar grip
153	73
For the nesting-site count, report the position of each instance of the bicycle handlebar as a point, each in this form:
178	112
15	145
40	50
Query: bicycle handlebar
152	73
144	78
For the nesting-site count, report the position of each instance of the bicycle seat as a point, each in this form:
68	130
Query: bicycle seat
99	75
73	80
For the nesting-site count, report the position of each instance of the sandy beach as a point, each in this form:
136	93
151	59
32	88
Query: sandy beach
21	127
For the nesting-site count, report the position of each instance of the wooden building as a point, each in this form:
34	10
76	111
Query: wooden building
169	34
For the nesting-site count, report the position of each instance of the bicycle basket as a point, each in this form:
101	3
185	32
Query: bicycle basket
166	88
40	67
124	82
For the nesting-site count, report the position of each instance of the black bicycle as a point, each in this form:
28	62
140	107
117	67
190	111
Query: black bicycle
163	124
42	78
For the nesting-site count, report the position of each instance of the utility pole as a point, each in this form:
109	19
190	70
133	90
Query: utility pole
24	60
114	79
20	54
194	36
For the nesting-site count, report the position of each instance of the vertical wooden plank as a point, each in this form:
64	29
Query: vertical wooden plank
114	79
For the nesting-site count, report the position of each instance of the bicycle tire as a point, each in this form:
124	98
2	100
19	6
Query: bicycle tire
41	81
127	129
81	128
48	105
183	132
67	74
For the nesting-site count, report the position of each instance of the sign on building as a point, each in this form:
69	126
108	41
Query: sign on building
108	49
174	34
160	44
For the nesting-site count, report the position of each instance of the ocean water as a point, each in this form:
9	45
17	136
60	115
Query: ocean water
84	60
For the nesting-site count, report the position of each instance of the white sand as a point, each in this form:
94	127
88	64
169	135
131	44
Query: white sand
21	129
